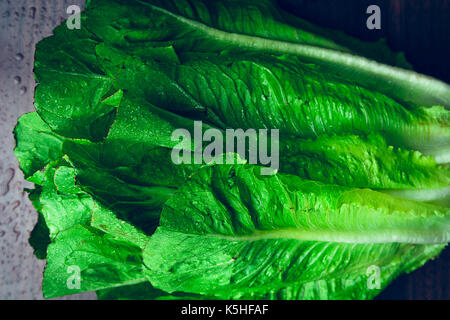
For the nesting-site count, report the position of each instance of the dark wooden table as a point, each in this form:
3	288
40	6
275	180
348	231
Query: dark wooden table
22	24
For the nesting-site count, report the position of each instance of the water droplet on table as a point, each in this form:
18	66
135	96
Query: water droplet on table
32	12
6	178
19	57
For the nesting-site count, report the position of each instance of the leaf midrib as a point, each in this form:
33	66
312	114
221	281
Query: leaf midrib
428	91
353	237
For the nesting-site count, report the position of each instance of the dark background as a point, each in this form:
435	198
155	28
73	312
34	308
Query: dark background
420	28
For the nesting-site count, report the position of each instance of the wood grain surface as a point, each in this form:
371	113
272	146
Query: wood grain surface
22	24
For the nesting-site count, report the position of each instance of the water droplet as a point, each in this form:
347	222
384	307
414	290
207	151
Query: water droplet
32	12
19	57
15	205
23	90
17	80
6	178
16	231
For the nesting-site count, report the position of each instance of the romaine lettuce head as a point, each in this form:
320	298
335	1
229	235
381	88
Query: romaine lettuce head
362	190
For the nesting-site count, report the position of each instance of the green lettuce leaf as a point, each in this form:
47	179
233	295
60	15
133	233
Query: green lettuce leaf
94	259
93	252
217	73
262	26
367	162
232	233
